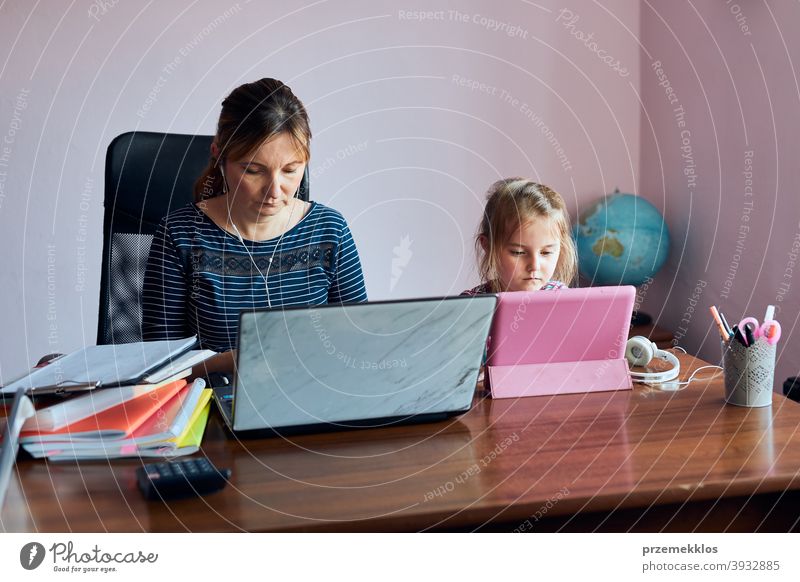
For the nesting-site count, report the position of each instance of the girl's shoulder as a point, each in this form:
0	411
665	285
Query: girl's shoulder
484	288
553	285
481	289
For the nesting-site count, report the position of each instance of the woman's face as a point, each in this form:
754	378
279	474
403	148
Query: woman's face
263	184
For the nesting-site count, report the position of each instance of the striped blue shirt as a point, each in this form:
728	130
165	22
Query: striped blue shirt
199	277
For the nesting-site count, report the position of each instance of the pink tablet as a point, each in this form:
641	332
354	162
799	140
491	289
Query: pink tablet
560	342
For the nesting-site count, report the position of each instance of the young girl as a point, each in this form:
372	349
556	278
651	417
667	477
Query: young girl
524	241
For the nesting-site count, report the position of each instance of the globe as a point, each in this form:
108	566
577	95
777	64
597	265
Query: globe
622	239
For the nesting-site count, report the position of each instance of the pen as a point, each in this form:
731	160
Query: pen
715	315
725	324
737	334
62	388
748	334
770	314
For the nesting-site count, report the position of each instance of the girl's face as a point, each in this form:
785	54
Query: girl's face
264	184
528	259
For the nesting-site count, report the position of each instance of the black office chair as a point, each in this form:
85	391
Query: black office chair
148	175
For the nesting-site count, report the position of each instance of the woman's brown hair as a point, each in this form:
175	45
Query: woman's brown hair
511	203
251	115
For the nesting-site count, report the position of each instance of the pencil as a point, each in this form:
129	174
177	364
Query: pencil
715	315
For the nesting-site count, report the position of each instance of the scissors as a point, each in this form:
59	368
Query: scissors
770	330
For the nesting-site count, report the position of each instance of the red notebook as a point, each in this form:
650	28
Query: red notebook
117	422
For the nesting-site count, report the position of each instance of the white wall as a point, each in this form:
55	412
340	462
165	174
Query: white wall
400	147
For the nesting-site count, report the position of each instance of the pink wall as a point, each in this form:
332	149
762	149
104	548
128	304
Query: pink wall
727	179
72	81
416	108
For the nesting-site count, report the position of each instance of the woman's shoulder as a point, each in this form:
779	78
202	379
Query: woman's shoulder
322	219
325	213
188	221
189	213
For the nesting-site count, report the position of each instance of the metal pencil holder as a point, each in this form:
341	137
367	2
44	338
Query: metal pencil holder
749	373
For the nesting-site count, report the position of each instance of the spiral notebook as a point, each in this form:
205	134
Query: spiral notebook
102	366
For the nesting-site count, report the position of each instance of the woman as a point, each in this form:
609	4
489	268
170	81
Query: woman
247	242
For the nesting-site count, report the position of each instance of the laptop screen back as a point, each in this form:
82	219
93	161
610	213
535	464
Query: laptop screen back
340	363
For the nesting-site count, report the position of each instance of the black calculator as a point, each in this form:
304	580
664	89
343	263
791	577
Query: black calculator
183	478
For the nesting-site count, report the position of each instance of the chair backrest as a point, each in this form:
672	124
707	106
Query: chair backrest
148	175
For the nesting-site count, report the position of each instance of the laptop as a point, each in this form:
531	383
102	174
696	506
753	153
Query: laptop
383	363
560	342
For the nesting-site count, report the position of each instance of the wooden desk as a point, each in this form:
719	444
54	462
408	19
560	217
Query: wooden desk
639	460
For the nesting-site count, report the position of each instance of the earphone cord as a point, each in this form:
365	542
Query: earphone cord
667	386
275	250
687	382
695	373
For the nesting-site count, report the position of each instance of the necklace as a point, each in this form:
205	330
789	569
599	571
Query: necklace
249	254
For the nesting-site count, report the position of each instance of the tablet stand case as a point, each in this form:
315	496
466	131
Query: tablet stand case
558	378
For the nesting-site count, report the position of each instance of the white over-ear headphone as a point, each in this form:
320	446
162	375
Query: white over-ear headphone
640	351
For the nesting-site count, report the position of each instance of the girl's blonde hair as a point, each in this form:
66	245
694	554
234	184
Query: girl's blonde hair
511	203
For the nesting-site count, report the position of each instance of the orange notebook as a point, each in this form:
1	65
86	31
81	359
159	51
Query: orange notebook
117	422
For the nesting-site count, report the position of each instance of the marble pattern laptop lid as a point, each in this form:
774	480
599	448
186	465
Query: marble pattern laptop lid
339	363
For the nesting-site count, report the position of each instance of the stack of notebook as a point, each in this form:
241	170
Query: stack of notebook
147	420
123	400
